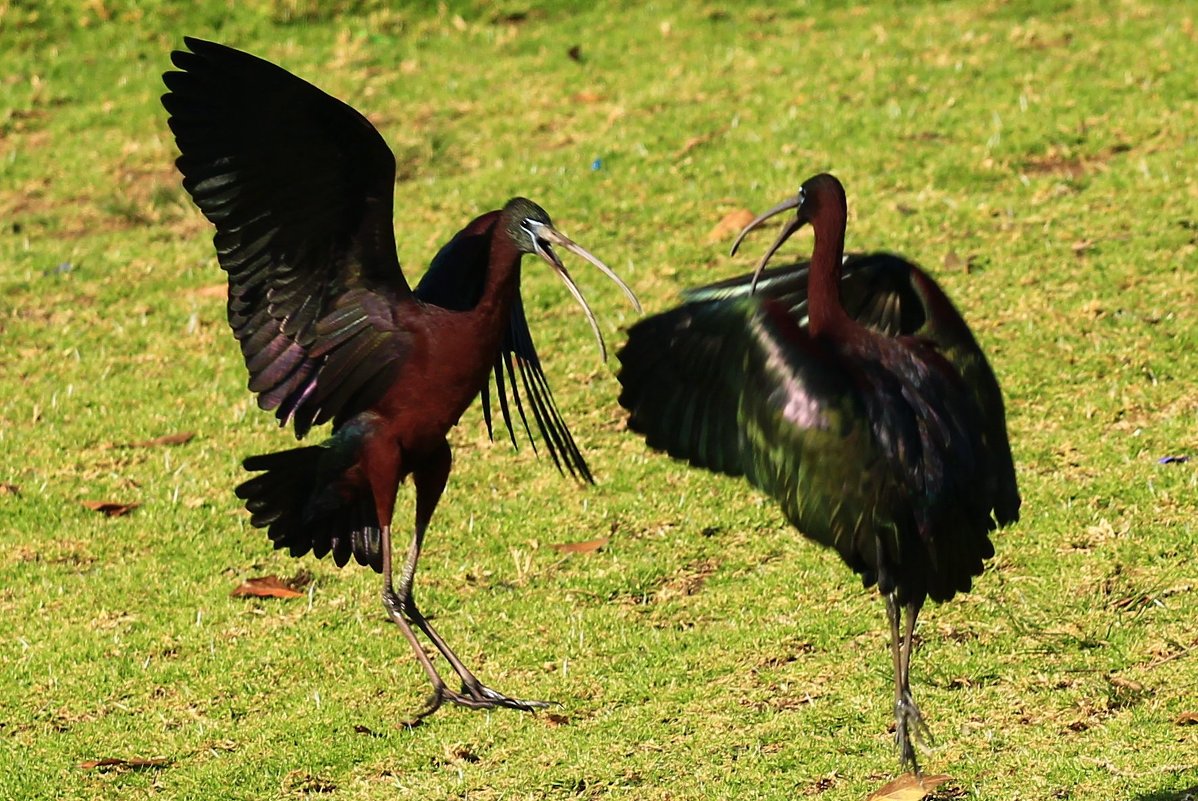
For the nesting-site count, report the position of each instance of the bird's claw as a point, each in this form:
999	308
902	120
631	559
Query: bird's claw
907	722
480	697
484	697
431	705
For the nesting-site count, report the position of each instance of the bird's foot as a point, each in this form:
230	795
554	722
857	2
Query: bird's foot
479	697
909	722
431	705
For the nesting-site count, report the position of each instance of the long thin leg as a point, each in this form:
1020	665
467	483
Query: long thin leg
908	645
907	718
382	463
922	732
901	739
430	483
394	607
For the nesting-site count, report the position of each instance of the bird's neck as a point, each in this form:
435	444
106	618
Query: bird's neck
824	310
502	281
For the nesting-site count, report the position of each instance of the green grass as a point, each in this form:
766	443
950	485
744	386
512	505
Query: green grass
708	651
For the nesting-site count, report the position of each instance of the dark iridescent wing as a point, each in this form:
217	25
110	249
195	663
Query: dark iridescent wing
299	187
895	297
455	280
518	348
680	372
875	289
812	437
734	386
948	332
843	440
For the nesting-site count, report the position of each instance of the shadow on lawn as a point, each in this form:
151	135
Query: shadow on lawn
1189	794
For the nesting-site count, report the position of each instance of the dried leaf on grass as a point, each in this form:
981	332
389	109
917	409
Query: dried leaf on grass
730	225
554	720
9	489
166	439
1125	684
214	291
111	508
271	587
131	764
589	546
908	787
1187	719
955	262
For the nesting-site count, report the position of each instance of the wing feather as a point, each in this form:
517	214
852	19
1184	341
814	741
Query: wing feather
895	297
300	188
895	455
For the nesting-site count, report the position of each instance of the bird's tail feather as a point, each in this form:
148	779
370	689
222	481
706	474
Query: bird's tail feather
302	498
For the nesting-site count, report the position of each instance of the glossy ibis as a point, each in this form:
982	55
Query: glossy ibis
852	393
299	186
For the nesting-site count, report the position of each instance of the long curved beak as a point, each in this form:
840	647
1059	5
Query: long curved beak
555	237
787	229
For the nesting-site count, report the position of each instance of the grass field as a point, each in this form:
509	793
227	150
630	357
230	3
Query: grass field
1037	157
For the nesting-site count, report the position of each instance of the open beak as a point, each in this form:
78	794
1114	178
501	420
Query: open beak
787	229
552	236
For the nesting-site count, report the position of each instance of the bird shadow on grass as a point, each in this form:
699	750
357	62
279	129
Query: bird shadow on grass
1188	794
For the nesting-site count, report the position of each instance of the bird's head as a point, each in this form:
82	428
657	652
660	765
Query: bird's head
820	193
530	229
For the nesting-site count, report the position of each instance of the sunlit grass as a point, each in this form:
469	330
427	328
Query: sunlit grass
1036	157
